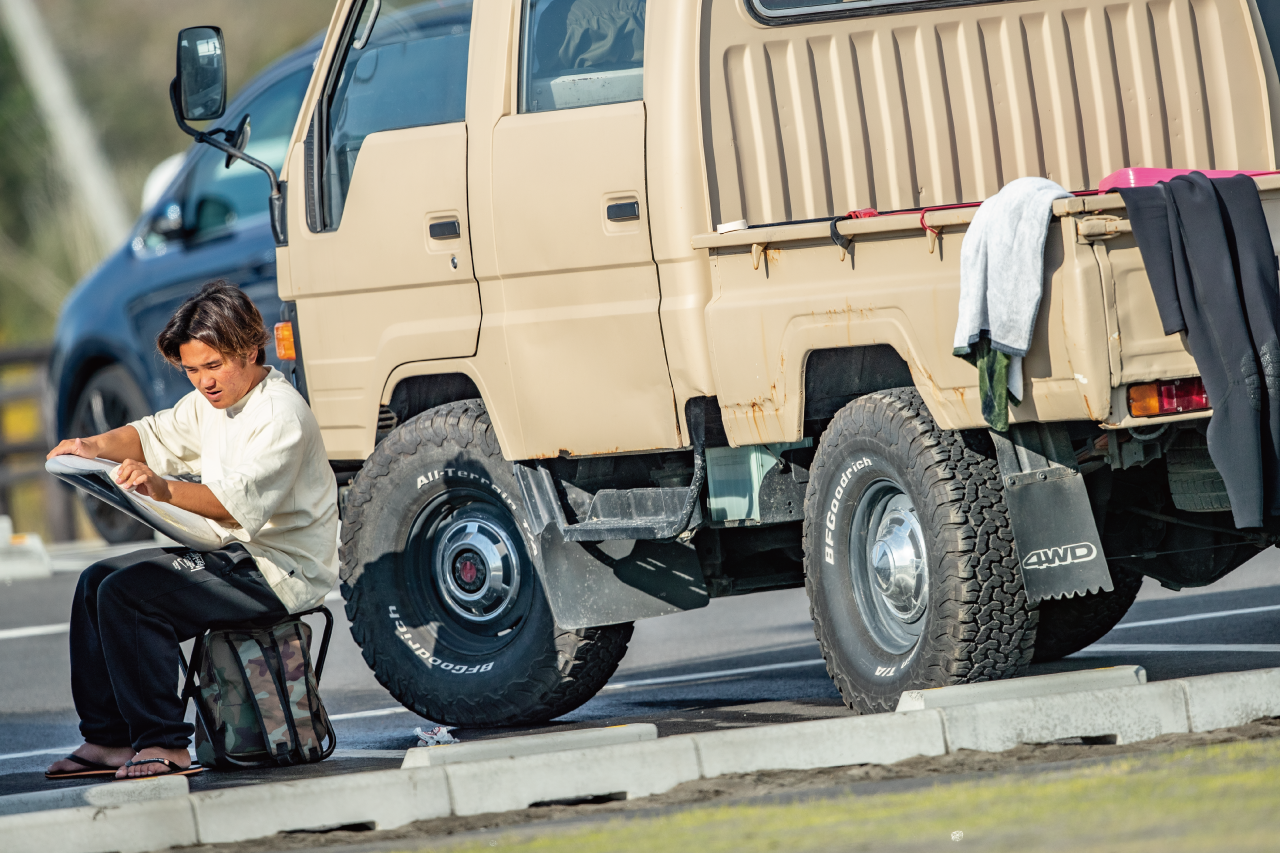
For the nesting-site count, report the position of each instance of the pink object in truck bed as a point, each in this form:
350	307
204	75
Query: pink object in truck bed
1144	177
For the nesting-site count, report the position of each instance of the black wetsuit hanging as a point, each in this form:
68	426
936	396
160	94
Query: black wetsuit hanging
1209	258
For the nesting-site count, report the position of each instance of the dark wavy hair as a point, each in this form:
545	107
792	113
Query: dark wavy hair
222	317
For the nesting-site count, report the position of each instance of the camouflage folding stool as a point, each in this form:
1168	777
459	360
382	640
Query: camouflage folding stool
257	695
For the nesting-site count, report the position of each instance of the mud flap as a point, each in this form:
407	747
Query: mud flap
590	584
1053	523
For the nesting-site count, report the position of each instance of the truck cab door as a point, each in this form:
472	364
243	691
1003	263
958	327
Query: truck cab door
379	239
571	236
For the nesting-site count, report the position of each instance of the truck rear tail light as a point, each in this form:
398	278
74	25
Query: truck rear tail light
1167	397
284	342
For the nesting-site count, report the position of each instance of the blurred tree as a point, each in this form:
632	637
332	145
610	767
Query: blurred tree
121	55
32	279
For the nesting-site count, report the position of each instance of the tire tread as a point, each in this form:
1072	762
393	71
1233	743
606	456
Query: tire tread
585	658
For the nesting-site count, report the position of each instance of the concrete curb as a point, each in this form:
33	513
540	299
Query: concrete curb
874	739
100	796
1128	714
133	818
380	798
512	747
1104	678
626	771
130	828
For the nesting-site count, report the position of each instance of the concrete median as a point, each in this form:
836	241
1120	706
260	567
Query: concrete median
108	794
381	799
513	747
135	827
1231	698
626	771
876	739
1126	713
1104	678
142	816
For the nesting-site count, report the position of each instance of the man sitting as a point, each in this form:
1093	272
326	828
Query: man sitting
264	480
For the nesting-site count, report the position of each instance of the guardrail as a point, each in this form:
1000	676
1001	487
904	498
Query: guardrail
23	460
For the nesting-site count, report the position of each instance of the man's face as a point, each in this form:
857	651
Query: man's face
222	379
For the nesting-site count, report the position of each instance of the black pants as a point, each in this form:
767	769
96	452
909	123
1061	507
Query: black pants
129	615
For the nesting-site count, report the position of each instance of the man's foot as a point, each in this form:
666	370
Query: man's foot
111	756
180	757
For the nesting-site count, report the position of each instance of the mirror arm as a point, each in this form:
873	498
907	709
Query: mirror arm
213	138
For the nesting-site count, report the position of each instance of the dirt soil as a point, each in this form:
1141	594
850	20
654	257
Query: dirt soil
775	785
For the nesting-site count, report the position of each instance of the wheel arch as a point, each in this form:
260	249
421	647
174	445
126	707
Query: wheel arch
413	388
76	374
835	377
779	414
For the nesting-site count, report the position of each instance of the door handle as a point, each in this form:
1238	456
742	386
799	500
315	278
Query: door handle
450	230
627	211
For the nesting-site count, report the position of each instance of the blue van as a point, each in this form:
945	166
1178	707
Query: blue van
211	222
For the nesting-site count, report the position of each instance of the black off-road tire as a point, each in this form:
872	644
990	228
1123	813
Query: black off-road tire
519	670
1068	625
110	399
977	623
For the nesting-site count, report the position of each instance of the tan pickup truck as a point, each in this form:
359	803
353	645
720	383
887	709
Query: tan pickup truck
567	305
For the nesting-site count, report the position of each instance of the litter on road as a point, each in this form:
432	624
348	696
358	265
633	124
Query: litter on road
438	736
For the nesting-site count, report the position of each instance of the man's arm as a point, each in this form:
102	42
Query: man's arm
118	445
193	497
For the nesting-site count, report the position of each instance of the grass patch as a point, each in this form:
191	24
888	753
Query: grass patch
1208	798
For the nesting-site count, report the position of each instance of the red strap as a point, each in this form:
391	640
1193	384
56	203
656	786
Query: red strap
934	231
925	210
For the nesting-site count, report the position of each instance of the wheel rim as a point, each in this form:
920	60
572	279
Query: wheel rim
889	565
476	567
476	609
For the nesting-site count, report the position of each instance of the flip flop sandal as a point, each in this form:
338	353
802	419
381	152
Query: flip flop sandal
174	770
91	768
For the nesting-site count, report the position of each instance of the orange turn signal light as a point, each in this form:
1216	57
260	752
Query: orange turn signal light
284	342
1167	397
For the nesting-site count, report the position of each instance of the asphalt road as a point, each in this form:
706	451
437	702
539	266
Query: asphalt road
740	662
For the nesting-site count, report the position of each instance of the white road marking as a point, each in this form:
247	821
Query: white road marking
35	752
719	673
34	631
1245	648
379	712
1217	614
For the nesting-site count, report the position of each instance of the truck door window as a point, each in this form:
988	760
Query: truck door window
220	198
581	53
411	72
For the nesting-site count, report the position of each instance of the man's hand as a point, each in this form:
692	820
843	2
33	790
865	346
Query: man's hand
193	497
135	476
117	445
87	448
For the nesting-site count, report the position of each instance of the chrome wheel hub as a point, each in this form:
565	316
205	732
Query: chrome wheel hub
476	567
889	565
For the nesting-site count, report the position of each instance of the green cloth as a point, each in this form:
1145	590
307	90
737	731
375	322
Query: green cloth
993	380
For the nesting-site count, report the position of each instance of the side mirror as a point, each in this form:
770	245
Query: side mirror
199	93
202	74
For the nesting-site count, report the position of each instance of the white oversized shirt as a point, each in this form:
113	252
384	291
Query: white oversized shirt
264	460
